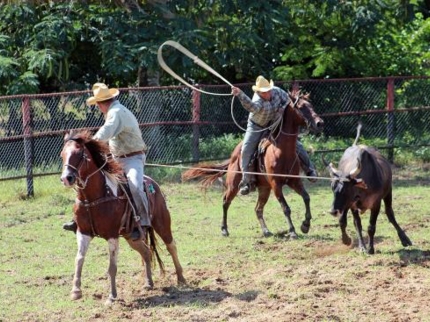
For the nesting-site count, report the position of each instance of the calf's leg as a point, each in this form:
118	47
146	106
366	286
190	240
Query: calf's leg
390	214
359	229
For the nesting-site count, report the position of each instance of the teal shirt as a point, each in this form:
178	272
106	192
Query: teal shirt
122	130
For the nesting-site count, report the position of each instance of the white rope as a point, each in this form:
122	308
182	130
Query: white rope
234	171
194	58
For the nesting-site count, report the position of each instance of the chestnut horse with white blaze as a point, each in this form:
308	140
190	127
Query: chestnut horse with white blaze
103	208
278	164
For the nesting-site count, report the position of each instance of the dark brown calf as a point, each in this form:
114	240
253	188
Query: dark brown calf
362	180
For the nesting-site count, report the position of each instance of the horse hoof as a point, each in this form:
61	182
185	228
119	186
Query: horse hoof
293	236
267	234
110	301
182	281
225	232
305	228
148	287
406	241
347	241
75	295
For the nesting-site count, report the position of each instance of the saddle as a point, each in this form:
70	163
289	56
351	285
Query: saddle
129	221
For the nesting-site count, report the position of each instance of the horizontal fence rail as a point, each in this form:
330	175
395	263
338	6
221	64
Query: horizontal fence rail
177	122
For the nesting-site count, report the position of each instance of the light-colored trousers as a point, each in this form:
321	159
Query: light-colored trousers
253	135
134	169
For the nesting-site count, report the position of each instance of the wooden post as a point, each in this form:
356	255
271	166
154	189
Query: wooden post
390	119
196	127
27	122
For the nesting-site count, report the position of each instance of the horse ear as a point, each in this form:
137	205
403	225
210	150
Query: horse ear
67	136
70	134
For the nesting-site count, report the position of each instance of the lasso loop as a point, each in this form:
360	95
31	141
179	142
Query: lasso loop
195	59
201	63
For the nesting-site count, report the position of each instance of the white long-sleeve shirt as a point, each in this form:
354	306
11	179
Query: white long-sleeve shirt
122	131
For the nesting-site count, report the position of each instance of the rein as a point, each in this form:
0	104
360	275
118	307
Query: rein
280	121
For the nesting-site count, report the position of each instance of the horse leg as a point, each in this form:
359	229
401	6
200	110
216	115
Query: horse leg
286	209
229	195
83	242
298	187
171	248
263	196
113	267
143	249
390	215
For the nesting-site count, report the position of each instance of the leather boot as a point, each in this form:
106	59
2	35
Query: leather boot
244	188
70	226
135	234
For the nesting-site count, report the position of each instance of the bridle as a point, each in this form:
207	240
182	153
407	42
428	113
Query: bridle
83	158
281	119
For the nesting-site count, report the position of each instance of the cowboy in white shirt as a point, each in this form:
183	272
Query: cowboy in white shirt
121	130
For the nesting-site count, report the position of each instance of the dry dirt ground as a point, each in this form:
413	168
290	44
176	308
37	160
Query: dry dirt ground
330	283
315	278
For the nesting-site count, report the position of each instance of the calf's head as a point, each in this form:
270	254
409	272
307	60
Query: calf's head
346	188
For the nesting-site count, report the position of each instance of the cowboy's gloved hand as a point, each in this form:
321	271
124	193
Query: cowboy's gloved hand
235	90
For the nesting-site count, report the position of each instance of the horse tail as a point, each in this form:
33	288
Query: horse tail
153	244
206	173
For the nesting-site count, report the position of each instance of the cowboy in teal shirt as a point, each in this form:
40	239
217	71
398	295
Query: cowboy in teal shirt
266	106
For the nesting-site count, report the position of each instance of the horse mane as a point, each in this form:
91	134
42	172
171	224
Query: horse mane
296	93
100	153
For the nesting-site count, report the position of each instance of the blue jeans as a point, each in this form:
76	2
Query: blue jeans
134	169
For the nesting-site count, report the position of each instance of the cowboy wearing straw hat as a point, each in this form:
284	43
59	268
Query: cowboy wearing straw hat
265	107
121	130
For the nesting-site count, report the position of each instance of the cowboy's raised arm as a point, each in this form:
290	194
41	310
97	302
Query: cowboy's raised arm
248	104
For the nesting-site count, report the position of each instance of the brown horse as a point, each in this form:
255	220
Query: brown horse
103	208
278	160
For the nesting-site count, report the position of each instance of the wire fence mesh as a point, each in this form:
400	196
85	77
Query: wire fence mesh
178	122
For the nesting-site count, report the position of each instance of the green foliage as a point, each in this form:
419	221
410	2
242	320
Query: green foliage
70	45
213	148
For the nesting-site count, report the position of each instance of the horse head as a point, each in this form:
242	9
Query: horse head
83	157
305	111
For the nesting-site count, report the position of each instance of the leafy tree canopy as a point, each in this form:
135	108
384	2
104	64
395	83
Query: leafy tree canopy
50	46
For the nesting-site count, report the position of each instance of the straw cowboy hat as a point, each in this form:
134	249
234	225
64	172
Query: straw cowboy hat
262	85
102	93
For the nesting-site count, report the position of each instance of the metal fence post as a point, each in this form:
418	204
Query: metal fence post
27	122
196	126
390	119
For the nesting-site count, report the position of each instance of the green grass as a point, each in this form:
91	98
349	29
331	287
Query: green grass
241	278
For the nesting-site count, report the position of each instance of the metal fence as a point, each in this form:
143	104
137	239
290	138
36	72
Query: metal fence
176	121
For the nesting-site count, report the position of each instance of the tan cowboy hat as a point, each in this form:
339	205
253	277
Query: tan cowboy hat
102	93
262	85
